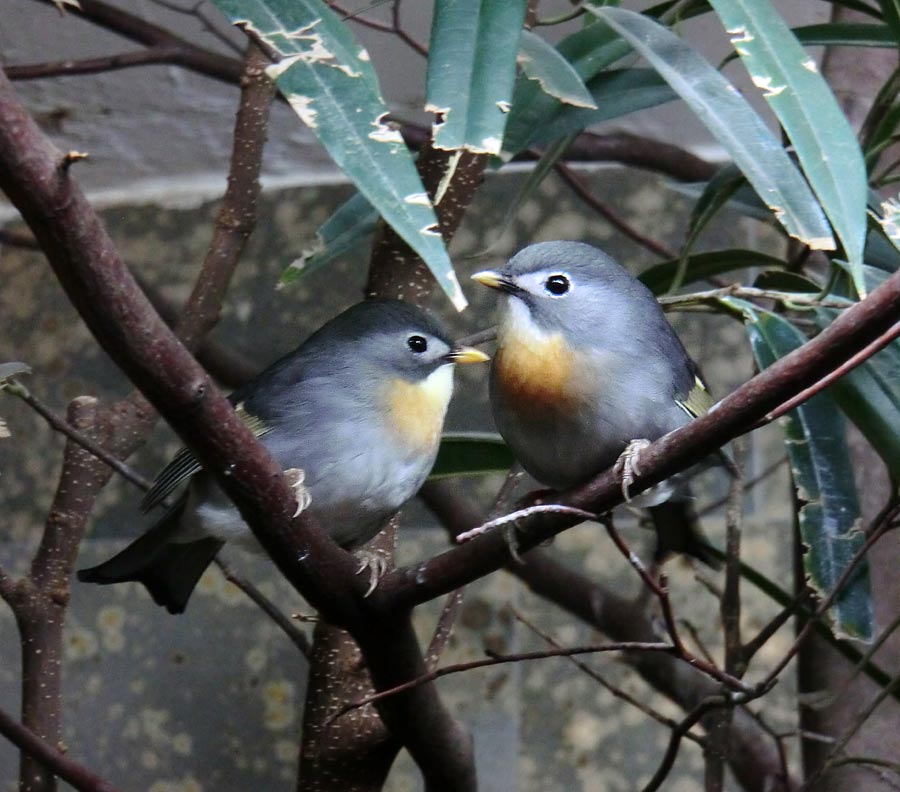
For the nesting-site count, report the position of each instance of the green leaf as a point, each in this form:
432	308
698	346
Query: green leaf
472	454
589	50
779	280
731	120
847	34
541	62
718	192
870	394
329	81
807	110
823	475
700	266
890	9
351	225
616	92
472	71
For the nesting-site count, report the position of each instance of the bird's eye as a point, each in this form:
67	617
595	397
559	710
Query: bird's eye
417	344
557	285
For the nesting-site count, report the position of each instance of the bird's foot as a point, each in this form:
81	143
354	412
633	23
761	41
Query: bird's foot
295	478
626	467
376	562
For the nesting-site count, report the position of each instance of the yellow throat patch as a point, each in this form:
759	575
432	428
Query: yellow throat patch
416	409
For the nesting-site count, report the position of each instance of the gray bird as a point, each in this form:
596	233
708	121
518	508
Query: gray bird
354	415
587	371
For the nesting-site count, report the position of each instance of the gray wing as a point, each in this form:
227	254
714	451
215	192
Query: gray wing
184	464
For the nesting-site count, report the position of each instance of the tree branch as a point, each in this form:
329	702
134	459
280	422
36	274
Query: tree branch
68	769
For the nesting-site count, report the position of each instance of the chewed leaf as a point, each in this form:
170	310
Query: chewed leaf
810	116
472	71
733	122
328	80
830	522
556	76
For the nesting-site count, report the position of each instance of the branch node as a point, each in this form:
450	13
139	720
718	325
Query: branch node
71	157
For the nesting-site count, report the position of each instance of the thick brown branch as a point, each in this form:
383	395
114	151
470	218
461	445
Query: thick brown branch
237	214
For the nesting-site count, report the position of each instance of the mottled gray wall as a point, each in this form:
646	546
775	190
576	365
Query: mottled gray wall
211	700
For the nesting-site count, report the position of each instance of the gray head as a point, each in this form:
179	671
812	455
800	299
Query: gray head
575	289
386	338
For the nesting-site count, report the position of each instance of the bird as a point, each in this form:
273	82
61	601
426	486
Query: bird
354	417
587	372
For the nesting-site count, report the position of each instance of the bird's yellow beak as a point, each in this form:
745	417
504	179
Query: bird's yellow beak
489	278
467	355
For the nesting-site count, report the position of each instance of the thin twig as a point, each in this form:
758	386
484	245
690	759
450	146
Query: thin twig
501	659
751	292
395	28
678	733
580	188
297	637
606	684
660	590
847	366
61	425
69	770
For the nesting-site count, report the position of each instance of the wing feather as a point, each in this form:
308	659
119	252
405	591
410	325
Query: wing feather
184	464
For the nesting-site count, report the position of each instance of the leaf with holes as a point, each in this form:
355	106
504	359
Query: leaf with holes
810	115
472	71
328	80
733	122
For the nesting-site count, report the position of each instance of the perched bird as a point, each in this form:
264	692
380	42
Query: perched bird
354	415
587	371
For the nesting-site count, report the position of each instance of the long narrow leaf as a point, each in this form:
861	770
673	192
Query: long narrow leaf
329	81
616	93
810	115
471	454
556	76
352	224
472	71
823	475
731	120
660	277
589	51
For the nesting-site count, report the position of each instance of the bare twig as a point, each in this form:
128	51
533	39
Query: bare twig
856	360
60	424
660	591
297	637
606	684
501	659
581	189
395	28
674	301
68	769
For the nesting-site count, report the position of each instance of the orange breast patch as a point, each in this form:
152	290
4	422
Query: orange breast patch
539	370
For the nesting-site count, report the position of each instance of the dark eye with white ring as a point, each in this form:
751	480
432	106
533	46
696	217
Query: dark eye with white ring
417	343
557	285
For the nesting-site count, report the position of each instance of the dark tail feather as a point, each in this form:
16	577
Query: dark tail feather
678	531
168	570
